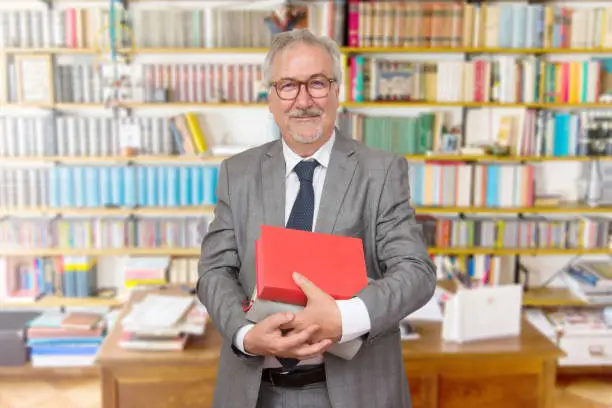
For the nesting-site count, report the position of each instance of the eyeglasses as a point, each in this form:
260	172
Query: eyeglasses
317	87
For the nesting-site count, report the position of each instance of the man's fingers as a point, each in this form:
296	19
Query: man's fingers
277	320
313	350
296	339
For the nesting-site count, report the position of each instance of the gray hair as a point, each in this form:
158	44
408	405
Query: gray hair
287	38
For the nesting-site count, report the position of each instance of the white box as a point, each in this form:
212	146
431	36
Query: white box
483	313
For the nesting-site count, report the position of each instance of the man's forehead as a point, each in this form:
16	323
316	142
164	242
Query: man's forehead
303	63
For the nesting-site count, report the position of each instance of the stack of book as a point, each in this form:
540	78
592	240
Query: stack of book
590	280
58	339
162	323
145	271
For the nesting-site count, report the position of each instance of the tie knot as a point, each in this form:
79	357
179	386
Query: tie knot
305	169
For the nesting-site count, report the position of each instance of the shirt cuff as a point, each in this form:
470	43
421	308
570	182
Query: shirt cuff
239	338
355	318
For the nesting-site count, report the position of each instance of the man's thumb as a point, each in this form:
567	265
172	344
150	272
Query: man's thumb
303	283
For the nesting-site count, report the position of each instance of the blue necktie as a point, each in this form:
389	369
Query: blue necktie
301	216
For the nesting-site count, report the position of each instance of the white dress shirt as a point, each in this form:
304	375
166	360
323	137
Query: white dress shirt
354	314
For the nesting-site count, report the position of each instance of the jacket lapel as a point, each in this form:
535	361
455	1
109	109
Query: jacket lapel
340	172
273	186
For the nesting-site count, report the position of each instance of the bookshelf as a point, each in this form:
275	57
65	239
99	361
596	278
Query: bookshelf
471	45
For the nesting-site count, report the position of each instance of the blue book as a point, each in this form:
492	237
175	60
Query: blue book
64	341
197	182
142	181
185	186
79	186
162	186
151	186
66	187
129	187
64	349
55	192
492	195
173	187
117	181
105	186
210	185
92	187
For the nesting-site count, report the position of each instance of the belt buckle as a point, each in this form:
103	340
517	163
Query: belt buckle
271	376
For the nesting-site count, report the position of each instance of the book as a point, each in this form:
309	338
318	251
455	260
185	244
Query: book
336	264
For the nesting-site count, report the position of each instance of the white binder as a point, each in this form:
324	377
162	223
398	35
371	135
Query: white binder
483	313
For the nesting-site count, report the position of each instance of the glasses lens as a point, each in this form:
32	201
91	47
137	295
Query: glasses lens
317	88
287	89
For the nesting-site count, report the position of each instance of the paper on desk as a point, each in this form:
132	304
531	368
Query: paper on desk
431	311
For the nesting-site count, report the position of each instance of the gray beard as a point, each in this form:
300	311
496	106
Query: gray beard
295	135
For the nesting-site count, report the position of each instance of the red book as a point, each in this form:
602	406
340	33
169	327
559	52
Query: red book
336	264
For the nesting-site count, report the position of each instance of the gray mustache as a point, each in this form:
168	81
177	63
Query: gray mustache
304	113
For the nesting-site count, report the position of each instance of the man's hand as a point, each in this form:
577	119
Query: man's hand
266	339
321	310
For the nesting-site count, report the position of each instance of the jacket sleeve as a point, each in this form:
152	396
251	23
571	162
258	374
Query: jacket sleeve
409	275
218	288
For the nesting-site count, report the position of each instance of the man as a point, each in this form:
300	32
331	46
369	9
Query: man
313	179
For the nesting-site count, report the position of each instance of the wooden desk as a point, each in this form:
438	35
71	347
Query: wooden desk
152	379
514	372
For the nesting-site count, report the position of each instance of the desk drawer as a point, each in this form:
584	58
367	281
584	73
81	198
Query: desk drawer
162	387
586	350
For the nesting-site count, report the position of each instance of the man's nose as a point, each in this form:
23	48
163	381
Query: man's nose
303	99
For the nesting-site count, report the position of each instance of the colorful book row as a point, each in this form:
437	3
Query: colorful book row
28	278
532	232
89	233
452	24
505	79
448	184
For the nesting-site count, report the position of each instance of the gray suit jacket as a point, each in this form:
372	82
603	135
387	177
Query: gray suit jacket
366	195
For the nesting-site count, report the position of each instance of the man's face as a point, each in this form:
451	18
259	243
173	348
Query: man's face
309	117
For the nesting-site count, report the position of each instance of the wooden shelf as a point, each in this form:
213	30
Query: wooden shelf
209	209
19	373
488	158
561	209
441	104
536	297
346	50
218	159
472	50
518	251
551	297
110	212
118	159
196	251
100	251
57	301
418	104
163	105
349	105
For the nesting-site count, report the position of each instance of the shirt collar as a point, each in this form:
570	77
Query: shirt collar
322	155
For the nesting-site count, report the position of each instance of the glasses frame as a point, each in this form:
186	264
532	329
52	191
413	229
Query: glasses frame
305	83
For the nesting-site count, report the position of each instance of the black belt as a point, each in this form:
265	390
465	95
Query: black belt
299	377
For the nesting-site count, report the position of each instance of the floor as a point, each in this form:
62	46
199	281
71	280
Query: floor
576	393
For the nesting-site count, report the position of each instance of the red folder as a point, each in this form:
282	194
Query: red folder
334	263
